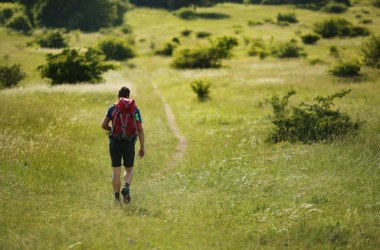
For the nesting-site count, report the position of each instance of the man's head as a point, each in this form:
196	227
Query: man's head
124	92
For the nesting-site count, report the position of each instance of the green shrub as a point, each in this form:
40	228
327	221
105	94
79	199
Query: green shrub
186	13
310	38
195	58
202	89
186	32
10	75
166	49
288	18
334	7
206	57
346	69
371	51
127	29
7	10
338	27
259	48
71	66
116	49
203	34
288	50
52	39
19	22
334	51
307	123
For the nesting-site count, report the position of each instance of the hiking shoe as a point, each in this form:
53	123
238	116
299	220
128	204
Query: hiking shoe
125	193
117	201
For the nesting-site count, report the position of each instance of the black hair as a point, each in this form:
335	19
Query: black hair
124	92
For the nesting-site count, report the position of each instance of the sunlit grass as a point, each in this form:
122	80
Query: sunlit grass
232	189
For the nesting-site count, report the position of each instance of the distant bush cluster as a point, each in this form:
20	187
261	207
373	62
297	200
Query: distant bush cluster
371	51
309	123
10	75
310	38
348	68
287	17
289	49
116	49
205	57
71	66
340	27
334	7
52	39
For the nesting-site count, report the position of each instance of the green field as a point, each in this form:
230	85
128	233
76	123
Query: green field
232	189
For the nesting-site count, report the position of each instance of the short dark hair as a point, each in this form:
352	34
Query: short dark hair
124	92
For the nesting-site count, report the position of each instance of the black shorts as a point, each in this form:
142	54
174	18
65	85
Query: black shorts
122	149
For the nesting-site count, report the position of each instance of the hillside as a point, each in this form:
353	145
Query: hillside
231	188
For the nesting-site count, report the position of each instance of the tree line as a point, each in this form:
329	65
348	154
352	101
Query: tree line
86	15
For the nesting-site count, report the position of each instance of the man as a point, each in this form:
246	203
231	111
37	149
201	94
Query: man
123	148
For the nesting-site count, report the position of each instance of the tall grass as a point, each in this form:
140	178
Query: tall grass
232	190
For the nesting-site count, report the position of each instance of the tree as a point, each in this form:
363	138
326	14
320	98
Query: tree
88	15
175	4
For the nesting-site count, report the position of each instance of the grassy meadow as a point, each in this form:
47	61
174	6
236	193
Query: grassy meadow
232	189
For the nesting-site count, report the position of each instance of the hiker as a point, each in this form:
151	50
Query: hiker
126	127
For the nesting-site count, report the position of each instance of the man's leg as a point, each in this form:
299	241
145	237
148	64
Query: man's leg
128	174
116	183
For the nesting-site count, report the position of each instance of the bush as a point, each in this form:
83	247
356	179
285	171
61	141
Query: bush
186	13
258	48
289	18
166	49
334	7
71	66
186	32
52	39
288	50
19	22
7	10
203	34
195	58
116	49
11	75
346	69
310	38
371	51
334	51
338	27
202	89
310	123
207	57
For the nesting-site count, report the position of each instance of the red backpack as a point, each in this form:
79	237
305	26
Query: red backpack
123	120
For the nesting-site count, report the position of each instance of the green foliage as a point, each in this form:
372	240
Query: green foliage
339	27
52	39
259	48
202	89
289	49
19	22
334	7
371	51
287	17
203	34
186	13
11	75
205	57
186	32
310	38
88	15
116	49
7	10
348	68
310	123
71	66
166	49
334	51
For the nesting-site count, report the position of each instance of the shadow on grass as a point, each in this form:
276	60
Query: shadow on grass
207	15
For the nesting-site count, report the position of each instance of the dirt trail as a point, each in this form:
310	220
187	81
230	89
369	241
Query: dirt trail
182	142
